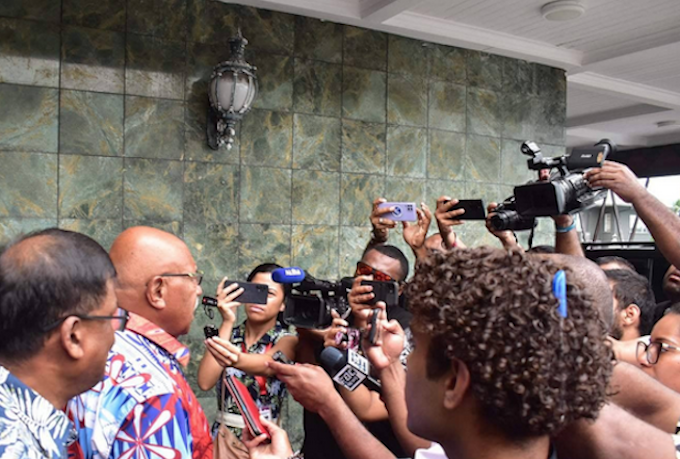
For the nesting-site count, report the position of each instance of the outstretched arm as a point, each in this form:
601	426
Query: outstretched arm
313	389
227	354
415	234
615	433
209	370
566	236
385	358
381	225
645	397
663	225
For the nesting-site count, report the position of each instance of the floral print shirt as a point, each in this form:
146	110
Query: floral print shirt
144	407
275	389
30	426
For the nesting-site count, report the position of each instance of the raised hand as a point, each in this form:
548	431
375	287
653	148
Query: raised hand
618	178
225	300
381	225
446	219
506	237
359	298
416	233
390	342
339	325
310	385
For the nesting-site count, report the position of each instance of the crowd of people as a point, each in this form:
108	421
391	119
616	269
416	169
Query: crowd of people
487	353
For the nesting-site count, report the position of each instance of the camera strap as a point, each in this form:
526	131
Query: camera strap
261	380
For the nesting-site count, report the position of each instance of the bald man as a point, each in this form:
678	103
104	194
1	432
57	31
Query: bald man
592	280
144	407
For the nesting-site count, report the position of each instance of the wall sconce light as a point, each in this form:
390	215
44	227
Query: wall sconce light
232	90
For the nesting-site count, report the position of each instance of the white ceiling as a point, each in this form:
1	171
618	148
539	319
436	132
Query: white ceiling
622	56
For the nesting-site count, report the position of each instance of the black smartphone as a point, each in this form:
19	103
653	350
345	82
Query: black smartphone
474	209
384	291
373	332
210	330
252	293
281	358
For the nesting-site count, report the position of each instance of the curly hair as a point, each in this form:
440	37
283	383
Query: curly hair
532	371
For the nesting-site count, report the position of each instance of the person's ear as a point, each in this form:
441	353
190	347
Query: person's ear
71	334
457	383
631	315
156	292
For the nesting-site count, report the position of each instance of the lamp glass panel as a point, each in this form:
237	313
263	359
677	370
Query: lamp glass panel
225	89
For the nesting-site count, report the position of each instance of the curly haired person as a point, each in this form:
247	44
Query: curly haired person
496	369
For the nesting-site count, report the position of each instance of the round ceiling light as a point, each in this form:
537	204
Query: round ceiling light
563	10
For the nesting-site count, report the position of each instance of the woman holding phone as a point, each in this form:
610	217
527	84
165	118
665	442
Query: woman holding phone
243	352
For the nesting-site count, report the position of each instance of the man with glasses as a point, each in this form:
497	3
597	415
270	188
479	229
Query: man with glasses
58	312
145	407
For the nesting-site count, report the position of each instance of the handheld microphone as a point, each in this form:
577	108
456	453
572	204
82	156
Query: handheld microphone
348	369
291	275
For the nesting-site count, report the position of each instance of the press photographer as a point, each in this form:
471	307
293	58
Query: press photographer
311	303
243	352
559	195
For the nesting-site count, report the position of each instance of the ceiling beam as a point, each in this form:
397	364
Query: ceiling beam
587	135
595	61
466	36
382	10
427	28
664	139
329	10
625	89
652	161
613	115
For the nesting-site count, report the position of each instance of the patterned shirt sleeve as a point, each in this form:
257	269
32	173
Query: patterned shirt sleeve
158	427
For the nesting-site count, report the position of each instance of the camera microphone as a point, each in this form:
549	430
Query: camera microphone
290	275
349	369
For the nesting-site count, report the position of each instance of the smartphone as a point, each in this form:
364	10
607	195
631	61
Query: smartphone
281	358
373	332
246	404
474	209
384	291
210	330
252	293
403	211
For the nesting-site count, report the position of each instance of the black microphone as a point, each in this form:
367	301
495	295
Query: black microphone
349	369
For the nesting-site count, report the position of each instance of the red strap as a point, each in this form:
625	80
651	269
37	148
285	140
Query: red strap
261	380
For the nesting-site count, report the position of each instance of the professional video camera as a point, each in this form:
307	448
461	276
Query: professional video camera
309	301
566	191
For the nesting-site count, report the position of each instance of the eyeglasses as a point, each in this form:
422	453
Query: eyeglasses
367	270
197	275
122	315
653	350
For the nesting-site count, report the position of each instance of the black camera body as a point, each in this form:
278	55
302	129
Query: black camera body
506	217
565	192
309	303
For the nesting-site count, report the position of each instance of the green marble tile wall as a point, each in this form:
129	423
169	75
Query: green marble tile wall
102	127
